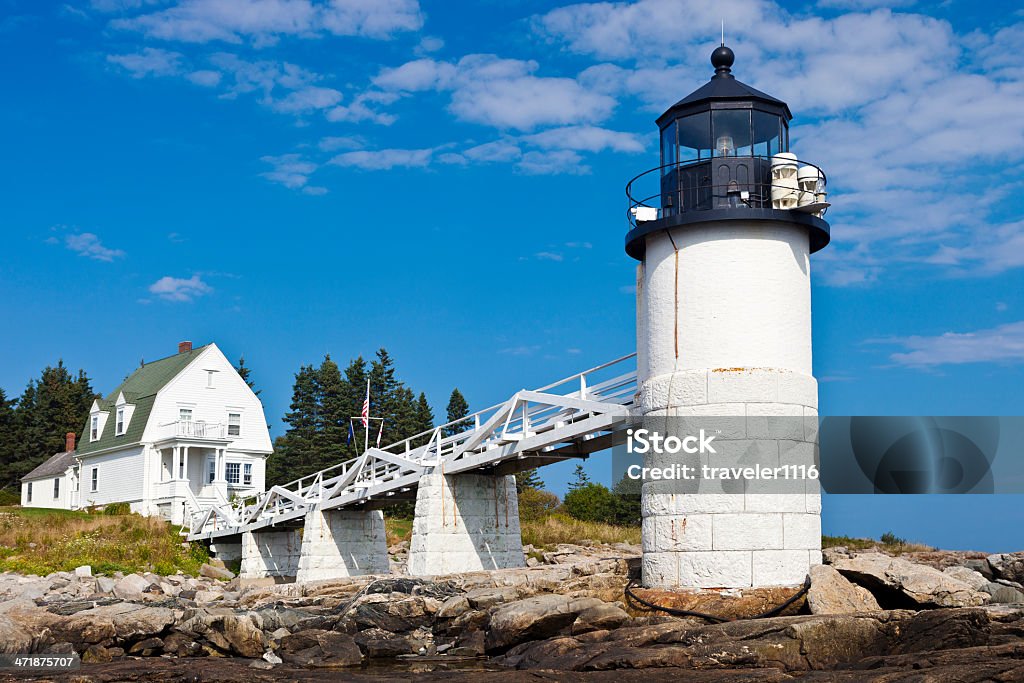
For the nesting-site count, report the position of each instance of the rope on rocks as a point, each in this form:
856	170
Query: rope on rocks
651	607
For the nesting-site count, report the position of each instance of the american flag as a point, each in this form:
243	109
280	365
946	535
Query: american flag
365	415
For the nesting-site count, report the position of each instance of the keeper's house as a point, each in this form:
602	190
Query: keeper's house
179	433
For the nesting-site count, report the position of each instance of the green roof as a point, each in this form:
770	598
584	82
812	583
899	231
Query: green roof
140	389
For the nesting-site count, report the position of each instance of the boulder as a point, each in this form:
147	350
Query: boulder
453	607
84	571
147	648
211	572
603	617
131	587
892	579
830	593
1009	566
105	584
320	649
969	576
1003	594
541	616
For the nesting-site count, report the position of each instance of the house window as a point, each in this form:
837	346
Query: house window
95	482
209	378
28	493
247	474
56	488
211	470
234	424
120	422
233	472
185	414
94	429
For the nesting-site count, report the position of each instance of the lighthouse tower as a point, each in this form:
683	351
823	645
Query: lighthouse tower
724	234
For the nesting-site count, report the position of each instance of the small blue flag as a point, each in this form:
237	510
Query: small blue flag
351	435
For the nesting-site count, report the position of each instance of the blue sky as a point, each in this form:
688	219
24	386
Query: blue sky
290	178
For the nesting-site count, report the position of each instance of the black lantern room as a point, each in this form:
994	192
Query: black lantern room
719	145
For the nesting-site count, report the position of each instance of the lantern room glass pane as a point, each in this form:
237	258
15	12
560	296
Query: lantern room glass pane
668	147
731	131
694	137
768	134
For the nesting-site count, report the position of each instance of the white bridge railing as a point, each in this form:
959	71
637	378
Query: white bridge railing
573	417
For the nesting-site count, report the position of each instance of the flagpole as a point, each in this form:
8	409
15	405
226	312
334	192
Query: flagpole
366	422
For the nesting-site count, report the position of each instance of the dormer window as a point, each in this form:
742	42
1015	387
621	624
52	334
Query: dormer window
119	425
94	428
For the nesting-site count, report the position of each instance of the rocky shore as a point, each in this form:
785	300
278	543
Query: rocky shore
866	616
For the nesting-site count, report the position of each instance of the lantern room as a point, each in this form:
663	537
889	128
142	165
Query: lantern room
725	154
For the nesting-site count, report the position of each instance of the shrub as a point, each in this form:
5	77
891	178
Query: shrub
535	504
8	497
889	538
591	503
114	509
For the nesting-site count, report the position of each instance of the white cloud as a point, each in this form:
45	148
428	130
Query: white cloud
361	110
549	256
1002	344
334	143
263	22
178	289
307	99
149	61
503	93
554	162
89	245
586	139
290	170
205	78
385	159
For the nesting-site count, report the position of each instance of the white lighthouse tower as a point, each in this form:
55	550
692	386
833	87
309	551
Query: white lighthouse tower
724	333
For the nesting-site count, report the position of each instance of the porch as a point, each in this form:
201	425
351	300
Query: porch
191	469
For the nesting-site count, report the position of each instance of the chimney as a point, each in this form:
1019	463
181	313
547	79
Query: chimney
69	442
184	347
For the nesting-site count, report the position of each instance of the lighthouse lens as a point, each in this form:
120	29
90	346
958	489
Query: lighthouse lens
731	128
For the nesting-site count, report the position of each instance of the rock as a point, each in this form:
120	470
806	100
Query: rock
892	579
603	617
453	607
271	658
318	649
830	593
147	648
532	561
206	596
236	633
84	571
981	566
485	598
105	584
541	616
1003	594
969	576
1009	566
96	654
15	638
130	587
378	644
211	572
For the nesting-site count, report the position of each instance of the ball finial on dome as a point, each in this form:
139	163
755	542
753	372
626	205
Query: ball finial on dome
722	58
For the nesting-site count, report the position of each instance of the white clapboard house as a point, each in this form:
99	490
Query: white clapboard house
177	434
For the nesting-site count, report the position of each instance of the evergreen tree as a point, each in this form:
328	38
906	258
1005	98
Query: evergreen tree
244	372
581	478
7	437
424	418
528	479
332	430
297	451
51	406
355	380
458	408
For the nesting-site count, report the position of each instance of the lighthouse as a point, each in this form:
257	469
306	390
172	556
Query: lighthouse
723	230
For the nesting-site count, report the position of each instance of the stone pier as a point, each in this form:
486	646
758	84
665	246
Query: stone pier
227	549
341	543
465	522
272	552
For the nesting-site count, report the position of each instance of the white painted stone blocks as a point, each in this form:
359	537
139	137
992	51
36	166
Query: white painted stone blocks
465	522
780	567
270	553
802	531
747	531
342	543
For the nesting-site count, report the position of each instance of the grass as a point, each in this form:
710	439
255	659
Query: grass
888	543
397	529
561	528
41	541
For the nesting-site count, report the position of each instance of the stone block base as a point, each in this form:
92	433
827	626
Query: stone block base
463	523
341	543
274	552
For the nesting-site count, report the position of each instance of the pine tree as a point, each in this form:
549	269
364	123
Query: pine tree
244	372
424	419
296	453
332	430
50	407
355	380
581	479
458	408
7	437
528	479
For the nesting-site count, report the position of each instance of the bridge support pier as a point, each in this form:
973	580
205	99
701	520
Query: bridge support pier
227	549
463	523
270	553
342	543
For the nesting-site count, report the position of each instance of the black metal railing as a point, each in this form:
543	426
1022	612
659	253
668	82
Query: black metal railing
740	182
